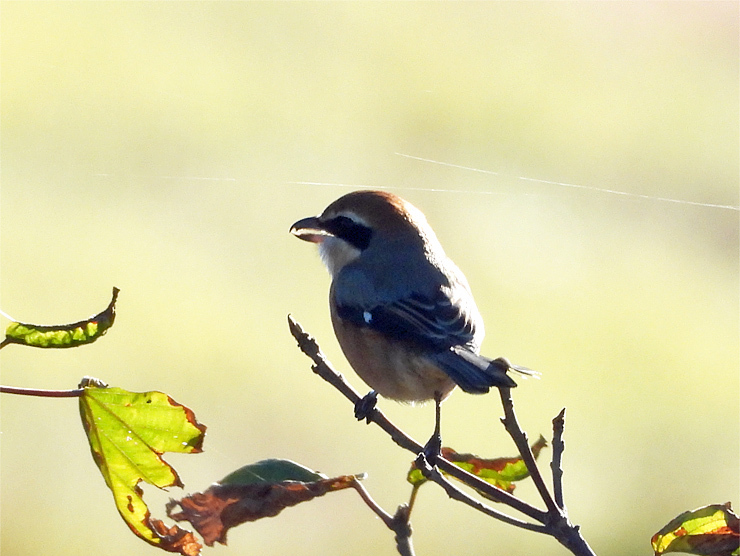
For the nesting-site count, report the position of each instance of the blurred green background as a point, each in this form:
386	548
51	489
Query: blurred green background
165	148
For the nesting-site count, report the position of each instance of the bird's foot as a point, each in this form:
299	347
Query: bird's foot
433	449
365	406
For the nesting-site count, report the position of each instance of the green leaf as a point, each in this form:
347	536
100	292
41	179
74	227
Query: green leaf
708	531
500	472
255	491
63	335
128	432
271	471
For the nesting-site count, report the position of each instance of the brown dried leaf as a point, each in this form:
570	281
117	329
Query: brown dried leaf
222	507
174	539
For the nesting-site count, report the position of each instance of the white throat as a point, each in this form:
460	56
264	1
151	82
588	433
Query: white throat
336	253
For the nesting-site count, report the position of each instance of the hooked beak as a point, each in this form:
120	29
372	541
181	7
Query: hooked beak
310	229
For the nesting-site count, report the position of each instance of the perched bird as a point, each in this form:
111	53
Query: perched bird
402	311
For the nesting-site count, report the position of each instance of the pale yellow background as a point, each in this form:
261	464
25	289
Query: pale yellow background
164	148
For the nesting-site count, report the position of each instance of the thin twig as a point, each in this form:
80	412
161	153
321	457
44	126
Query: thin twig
558	525
399	523
433	474
372	504
324	369
558	446
522	443
402	528
489	490
76	393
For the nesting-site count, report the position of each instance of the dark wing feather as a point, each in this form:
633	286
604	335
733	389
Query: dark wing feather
431	323
442	327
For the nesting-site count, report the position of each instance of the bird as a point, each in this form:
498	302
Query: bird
402	311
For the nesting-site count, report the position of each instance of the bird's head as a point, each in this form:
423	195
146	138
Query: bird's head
362	222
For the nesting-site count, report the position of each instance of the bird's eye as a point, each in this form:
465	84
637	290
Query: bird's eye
356	234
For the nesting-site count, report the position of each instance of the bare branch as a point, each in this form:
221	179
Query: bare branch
76	393
402	528
323	368
555	520
490	491
558	446
522	443
433	474
398	523
372	504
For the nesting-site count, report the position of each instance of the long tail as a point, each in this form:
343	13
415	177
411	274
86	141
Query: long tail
524	372
474	373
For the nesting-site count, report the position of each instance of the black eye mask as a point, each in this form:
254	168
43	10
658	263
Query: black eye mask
343	227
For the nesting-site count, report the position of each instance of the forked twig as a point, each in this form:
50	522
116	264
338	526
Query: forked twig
324	369
554	521
433	474
522	443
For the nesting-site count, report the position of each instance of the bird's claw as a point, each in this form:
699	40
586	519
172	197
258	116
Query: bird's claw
432	449
365	406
